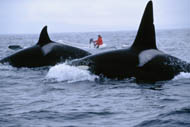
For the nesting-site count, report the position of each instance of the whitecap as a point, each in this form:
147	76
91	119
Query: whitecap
182	75
67	73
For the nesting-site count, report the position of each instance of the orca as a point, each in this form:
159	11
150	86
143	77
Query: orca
44	53
142	60
15	47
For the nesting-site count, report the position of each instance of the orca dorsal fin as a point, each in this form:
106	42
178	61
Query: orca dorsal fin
145	38
44	37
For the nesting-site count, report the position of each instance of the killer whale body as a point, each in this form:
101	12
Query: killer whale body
44	53
15	47
142	60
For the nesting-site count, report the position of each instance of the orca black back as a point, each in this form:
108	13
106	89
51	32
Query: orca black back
142	60
44	53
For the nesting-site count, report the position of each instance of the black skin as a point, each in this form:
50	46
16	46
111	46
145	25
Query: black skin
120	64
34	57
124	63
112	64
161	68
15	47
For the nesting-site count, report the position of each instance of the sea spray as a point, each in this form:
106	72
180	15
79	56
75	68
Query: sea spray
67	73
182	75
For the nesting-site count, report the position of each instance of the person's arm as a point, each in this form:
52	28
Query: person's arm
95	42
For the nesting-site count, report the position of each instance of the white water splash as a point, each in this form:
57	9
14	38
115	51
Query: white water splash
63	72
182	75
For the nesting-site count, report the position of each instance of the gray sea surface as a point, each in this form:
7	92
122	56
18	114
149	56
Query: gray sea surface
66	96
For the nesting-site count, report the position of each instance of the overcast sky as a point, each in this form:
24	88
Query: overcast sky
29	16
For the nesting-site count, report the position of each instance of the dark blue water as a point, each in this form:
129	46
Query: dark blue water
65	96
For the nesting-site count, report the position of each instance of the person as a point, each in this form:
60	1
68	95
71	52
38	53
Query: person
99	41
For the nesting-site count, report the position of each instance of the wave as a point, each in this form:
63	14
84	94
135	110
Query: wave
70	74
175	118
182	75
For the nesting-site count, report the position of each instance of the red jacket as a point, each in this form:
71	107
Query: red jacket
99	41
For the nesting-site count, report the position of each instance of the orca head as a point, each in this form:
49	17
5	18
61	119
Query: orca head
44	37
145	38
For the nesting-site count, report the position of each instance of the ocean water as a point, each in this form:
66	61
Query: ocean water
66	96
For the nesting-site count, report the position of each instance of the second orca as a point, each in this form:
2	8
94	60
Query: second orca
44	53
142	60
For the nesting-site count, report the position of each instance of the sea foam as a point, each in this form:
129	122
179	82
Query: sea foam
67	73
182	75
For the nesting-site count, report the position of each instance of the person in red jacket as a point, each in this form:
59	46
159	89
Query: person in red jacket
99	41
